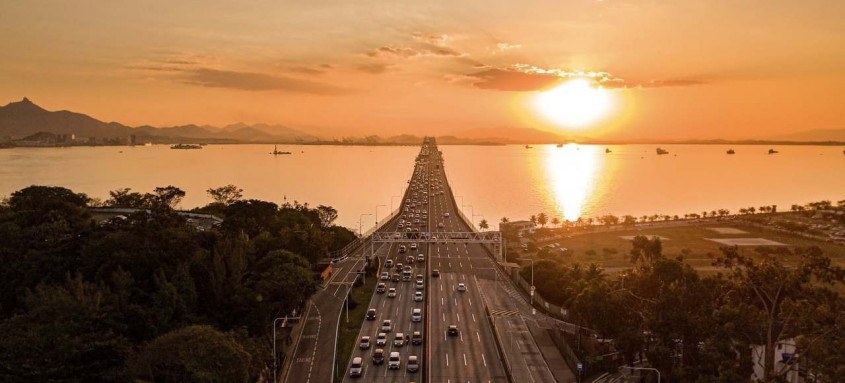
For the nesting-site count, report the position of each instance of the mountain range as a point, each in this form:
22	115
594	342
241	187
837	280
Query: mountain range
24	118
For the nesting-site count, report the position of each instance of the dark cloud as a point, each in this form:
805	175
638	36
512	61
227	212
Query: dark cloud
408	52
373	68
512	80
254	81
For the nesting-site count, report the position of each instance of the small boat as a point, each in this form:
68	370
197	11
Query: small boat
528	146
731	151
186	146
560	145
662	151
772	151
276	151
607	150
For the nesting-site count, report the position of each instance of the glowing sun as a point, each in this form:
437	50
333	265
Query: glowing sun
575	103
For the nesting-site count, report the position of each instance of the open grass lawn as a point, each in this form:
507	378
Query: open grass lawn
348	332
689	239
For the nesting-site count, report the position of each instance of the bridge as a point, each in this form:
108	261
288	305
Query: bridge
498	337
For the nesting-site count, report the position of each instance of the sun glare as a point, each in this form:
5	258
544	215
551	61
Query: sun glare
575	103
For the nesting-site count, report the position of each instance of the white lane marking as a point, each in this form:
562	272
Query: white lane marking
447	360
473	317
465	359
441	301
478	336
459	316
484	360
470	301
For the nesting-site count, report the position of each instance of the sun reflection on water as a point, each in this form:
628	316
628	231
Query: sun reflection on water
572	171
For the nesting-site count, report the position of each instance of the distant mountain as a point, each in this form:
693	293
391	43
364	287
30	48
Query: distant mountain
815	135
24	118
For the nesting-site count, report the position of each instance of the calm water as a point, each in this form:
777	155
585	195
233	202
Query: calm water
493	181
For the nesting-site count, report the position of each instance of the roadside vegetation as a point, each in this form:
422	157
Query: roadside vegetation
348	330
148	296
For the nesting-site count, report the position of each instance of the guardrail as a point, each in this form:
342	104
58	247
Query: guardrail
339	255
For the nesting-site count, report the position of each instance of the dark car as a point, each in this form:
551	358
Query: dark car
453	330
435	273
378	356
416	338
371	314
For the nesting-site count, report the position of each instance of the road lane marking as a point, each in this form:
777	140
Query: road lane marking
484	360
478	336
447	359
473	317
465	359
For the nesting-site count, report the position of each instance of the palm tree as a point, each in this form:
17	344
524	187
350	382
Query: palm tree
483	225
505	220
542	219
556	221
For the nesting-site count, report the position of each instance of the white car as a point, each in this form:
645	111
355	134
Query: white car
385	276
416	315
381	339
399	340
420	258
356	367
462	287
387	325
420	285
393	361
391	292
418	296
365	343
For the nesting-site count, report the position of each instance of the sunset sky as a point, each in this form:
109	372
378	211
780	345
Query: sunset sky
669	69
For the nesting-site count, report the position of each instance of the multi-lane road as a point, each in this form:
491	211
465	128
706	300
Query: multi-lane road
492	339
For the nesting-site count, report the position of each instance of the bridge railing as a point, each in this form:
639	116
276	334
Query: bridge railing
341	254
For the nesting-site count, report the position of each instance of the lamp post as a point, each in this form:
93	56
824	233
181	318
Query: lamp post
275	358
644	368
360	221
532	277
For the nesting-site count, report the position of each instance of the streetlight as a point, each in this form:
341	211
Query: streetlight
360	220
532	277
275	357
644	368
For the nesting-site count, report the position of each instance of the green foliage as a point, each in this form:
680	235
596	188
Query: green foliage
193	354
137	279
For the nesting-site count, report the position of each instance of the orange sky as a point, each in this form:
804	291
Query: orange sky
678	69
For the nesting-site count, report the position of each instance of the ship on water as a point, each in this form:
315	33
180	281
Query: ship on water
772	151
607	150
186	146
276	151
731	151
661	151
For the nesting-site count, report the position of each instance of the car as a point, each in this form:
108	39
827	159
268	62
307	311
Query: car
413	246
462	287
393	361
395	277
387	325
440	225
365	343
420	278
446	214
416	338
385	276
418	296
399	266
356	367
402	248
401	225
420	285
410	259
420	258
416	315
413	364
378	356
391	292
381	288
399	340
435	273
381	339
453	330
388	263
371	314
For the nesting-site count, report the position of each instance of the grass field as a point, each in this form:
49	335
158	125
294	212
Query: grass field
348	332
688	240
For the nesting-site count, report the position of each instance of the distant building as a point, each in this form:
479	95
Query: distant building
520	227
785	359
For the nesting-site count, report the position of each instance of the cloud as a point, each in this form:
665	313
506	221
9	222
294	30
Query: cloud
373	68
388	51
433	39
524	77
252	81
502	47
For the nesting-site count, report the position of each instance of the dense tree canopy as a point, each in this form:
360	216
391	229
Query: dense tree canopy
79	299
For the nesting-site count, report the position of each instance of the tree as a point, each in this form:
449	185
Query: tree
127	198
777	301
533	219
556	221
505	220
225	195
327	214
483	225
542	219
167	196
646	250
193	354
